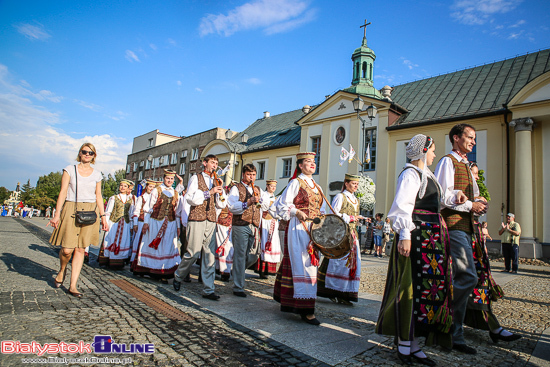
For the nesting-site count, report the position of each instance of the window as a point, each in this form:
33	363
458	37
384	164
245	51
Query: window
261	171
127	168
364	70
316	147
140	176
287	167
174	158
147	165
184	153
164	160
141	164
370	144
194	154
182	169
135	166
156	162
151	142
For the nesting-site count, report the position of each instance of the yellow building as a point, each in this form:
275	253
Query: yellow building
508	102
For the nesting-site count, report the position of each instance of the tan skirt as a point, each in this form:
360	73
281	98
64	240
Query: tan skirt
70	235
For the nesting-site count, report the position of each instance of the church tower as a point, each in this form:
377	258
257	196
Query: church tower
363	70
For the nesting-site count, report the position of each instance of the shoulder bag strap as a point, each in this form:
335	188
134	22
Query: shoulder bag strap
76	190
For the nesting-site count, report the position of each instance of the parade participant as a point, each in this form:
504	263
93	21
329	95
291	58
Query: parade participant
338	279
117	244
138	218
206	198
453	173
246	202
418	295
270	254
479	313
158	254
224	243
71	237
296	281
48	212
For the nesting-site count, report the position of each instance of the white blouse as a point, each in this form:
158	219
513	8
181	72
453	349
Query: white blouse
338	201
285	203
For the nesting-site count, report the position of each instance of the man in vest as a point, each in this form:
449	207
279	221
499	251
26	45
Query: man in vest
246	202
453	173
206	198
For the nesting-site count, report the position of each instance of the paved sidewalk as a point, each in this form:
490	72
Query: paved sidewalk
235	331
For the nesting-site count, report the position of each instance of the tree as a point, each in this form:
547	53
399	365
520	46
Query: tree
40	200
110	184
4	194
26	191
481	184
49	185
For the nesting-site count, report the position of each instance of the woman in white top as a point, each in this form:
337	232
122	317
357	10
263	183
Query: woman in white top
296	282
71	237
418	296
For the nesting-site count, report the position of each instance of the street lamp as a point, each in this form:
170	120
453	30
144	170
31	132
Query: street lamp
228	136
150	158
371	110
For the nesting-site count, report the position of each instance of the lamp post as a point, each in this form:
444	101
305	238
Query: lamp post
150	158
358	105
244	140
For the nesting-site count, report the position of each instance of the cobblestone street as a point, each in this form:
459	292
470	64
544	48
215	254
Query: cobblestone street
186	331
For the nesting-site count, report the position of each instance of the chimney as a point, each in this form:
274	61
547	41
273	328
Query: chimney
266	114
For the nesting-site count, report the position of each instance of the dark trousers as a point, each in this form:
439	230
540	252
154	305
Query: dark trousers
511	254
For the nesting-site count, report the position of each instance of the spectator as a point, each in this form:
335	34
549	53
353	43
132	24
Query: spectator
378	232
510	233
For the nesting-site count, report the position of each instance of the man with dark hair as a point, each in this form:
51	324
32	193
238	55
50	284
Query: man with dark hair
453	174
206	199
246	202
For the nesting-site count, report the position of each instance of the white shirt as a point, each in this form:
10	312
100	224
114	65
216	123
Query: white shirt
111	203
338	201
402	207
195	197
445	175
285	203
238	207
148	206
86	185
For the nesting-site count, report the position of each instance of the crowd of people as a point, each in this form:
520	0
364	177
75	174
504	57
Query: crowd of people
439	277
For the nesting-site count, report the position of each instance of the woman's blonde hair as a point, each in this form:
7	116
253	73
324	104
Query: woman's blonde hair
92	148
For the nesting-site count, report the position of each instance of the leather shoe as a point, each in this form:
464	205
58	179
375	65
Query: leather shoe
464	348
187	279
239	294
212	296
177	285
495	337
425	361
75	294
505	271
404	358
312	321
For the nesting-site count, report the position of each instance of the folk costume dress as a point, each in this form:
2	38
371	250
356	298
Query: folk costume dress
479	314
340	277
117	244
296	281
418	295
158	254
270	254
138	219
224	249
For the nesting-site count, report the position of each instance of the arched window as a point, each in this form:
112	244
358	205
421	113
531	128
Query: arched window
356	70
364	74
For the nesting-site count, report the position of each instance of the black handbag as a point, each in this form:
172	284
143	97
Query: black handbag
83	217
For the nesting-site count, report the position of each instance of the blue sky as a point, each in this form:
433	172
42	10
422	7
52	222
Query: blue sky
106	71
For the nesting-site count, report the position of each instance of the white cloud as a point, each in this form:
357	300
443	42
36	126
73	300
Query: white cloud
33	32
178	83
31	145
409	63
198	89
518	23
171	42
515	35
254	81
478	12
153	46
88	105
274	16
131	56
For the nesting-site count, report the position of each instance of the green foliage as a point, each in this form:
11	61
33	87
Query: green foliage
26	191
4	194
110	183
40	200
481	184
49	185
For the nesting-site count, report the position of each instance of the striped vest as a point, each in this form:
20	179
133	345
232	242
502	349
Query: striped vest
460	221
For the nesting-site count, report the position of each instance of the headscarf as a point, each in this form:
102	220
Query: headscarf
416	149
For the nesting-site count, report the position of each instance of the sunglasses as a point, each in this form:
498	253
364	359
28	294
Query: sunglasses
87	152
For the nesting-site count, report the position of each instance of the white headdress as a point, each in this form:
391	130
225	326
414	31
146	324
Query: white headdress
416	149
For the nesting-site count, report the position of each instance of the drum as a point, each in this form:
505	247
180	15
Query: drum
332	236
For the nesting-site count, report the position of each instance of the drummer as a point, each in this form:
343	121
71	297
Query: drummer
296	281
339	278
